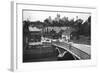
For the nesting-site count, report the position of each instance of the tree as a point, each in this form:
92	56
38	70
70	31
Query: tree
77	26
26	25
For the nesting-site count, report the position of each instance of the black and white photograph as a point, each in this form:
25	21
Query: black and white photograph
50	35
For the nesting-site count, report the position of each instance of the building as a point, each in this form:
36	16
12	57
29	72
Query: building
34	35
66	35
57	18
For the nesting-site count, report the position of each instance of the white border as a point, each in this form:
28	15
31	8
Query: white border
18	65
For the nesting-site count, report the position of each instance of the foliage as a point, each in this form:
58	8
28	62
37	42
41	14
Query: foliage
78	27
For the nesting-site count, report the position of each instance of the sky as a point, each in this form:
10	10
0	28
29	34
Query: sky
42	15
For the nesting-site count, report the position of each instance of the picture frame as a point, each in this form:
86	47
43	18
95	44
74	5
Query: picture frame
18	10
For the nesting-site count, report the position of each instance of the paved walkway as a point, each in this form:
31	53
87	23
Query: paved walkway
82	47
85	48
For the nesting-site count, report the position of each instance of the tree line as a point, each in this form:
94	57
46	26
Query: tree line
80	27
